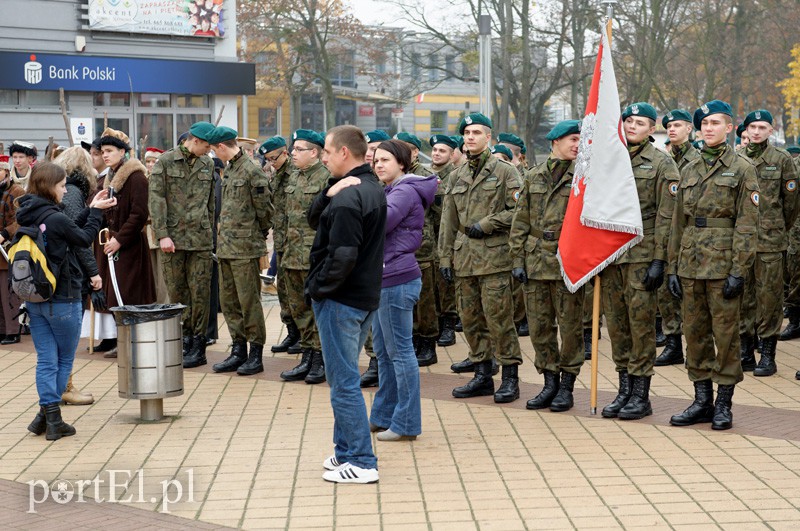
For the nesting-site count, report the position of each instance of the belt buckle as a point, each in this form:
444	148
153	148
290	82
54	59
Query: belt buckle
549	235
700	222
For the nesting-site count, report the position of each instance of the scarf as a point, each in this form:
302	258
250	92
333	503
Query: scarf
188	155
754	151
557	168
712	154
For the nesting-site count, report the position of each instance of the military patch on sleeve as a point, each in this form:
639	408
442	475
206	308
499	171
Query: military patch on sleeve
791	185
754	198
673	188
516	196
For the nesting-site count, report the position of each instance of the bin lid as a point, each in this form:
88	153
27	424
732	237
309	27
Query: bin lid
144	313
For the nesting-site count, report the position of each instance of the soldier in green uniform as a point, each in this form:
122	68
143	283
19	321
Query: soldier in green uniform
181	202
630	284
762	303
458	158
712	245
517	147
533	241
473	252
374	139
244	222
309	177
792	270
678	124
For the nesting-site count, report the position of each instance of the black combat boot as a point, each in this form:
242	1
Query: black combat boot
792	330
672	353
661	339
254	363
747	352
56	427
316	374
197	353
426	351
766	365
39	423
301	370
292	337
235	360
638	407
480	385
723	418
701	410
564	400
797	375
509	387
547	394
370	376
587	343
523	330
458	327
186	345
447	337
623	395
464	365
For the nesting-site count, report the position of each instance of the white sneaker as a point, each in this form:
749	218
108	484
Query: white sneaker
348	473
331	463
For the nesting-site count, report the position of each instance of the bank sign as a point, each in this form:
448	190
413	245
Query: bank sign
81	73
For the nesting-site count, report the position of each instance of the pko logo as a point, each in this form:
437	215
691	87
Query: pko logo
33	71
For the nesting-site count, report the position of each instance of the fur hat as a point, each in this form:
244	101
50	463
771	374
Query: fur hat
112	137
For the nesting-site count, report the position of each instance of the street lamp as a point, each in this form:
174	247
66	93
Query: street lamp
609	7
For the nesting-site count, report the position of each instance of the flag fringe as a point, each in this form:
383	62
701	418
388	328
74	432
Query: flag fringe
616	227
605	263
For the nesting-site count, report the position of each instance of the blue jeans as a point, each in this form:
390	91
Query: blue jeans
397	403
342	332
55	330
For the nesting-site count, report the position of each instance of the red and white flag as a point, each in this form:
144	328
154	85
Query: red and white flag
603	218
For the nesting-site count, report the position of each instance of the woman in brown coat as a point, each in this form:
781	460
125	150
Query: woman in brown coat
10	303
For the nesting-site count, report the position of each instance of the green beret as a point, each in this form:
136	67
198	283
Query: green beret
793	149
676	115
309	136
409	138
202	130
459	140
739	130
567	127
761	115
272	144
640	109
474	118
376	136
442	139
514	140
707	109
222	134
500	148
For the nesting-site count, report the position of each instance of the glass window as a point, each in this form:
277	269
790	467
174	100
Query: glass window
112	99
383	119
184	121
157	127
433	70
191	100
267	122
439	122
345	112
154	100
449	66
9	97
311	112
41	97
120	124
415	70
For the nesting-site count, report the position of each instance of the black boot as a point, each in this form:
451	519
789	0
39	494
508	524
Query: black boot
723	418
370	376
56	427
254	363
747	352
638	407
448	335
480	385
672	353
39	423
458	327
797	375
10	339
766	365
292	337
564	400
547	394
426	354
106	345
661	339
792	330
522	328
301	370
464	365
623	395
197	353
186	345
701	410
316	373
509	387
587	343
235	360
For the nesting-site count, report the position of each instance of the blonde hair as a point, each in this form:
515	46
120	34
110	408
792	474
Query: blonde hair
77	160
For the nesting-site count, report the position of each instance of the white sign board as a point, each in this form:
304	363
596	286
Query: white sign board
202	18
82	130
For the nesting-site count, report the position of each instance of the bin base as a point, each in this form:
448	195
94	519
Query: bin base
152	409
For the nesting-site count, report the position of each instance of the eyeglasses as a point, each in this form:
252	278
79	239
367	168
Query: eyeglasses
273	159
295	148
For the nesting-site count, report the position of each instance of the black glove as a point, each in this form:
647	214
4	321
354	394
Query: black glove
655	275
447	274
519	275
98	300
475	231
674	286
734	286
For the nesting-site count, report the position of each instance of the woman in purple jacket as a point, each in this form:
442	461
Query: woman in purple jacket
396	408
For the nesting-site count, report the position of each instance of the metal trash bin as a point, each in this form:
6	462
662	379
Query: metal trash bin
149	355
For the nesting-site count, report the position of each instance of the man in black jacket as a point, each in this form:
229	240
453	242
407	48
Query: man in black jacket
344	284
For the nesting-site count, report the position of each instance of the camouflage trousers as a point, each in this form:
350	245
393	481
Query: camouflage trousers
519	300
426	320
302	313
670	309
762	300
792	272
446	295
283	296
486	307
551	308
188	278
588	303
241	300
630	317
709	320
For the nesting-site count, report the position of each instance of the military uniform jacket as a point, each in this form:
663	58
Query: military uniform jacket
487	197
433	216
714	225
246	210
302	187
537	222
777	203
690	155
794	230
181	201
277	186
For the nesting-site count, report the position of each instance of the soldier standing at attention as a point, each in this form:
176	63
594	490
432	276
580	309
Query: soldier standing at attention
678	124
762	303
712	245
181	201
533	240
309	177
792	271
630	283
473	252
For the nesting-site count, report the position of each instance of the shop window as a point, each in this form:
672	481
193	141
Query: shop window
9	97
34	98
267	122
438	122
120	124
157	127
154	100
191	101
184	121
112	99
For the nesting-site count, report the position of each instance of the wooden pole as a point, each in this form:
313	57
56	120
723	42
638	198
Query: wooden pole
105	120
51	146
63	104
219	117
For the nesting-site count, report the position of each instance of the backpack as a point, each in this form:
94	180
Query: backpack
30	275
